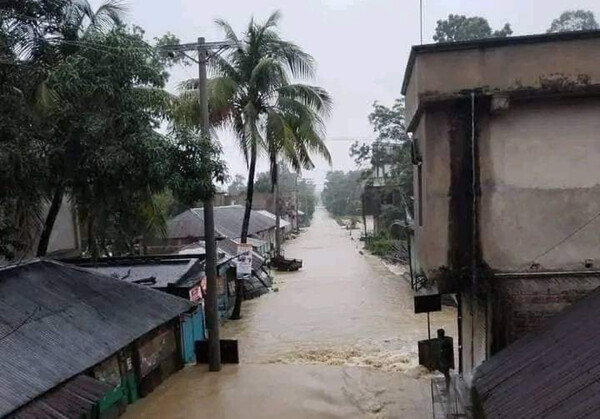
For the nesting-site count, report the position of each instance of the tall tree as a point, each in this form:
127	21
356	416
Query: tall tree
81	24
574	20
25	56
462	28
293	136
253	91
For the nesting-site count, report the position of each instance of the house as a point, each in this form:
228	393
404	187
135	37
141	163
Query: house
260	281
382	189
286	226
66	331
182	276
551	373
506	145
188	227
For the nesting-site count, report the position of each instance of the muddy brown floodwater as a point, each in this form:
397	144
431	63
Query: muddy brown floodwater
338	340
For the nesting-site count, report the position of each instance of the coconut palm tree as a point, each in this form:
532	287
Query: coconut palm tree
292	137
253	91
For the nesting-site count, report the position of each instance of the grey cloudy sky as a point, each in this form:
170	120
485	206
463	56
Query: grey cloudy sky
361	46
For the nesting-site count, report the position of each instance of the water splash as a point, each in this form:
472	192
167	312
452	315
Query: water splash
393	361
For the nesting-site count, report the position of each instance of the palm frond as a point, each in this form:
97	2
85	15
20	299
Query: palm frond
228	30
315	97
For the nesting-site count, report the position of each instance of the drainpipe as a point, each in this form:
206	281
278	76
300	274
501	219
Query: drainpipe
474	290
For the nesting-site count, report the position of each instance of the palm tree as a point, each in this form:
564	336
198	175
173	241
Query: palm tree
293	137
79	22
253	92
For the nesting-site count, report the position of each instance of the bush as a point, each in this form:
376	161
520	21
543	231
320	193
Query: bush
380	245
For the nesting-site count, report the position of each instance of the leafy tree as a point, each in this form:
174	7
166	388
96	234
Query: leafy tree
237	186
574	20
391	149
342	193
80	24
462	28
24	58
290	183
307	199
81	98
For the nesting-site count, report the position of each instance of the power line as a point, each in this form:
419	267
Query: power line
569	236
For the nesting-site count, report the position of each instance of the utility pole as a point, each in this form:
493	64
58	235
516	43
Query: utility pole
214	342
203	49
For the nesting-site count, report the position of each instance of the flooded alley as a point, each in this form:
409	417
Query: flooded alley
336	340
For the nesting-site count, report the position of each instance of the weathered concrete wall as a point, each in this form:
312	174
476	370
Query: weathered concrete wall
552	65
475	320
540	182
432	232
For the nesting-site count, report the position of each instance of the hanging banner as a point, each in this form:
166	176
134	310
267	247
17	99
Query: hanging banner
244	260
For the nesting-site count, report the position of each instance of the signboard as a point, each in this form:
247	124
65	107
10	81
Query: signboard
244	260
196	293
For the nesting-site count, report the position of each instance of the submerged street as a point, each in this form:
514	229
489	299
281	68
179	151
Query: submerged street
337	340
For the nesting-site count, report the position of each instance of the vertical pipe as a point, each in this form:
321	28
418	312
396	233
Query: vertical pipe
460	331
474	299
214	345
428	327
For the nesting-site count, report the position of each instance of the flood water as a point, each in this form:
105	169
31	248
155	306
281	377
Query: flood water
337	340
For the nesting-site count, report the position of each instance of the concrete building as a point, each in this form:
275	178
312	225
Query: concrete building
506	140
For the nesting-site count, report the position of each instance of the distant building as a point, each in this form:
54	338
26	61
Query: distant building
188	227
74	342
285	225
506	136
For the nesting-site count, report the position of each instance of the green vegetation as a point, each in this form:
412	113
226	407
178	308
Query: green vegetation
462	28
342	193
82	95
574	20
380	245
289	183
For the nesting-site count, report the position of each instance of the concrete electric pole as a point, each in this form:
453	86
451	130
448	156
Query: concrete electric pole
204	49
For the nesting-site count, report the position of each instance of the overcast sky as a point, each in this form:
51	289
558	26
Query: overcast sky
361	46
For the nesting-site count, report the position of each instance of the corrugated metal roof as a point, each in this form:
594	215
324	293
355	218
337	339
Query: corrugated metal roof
156	272
283	223
554	373
76	398
228	222
230	247
56	321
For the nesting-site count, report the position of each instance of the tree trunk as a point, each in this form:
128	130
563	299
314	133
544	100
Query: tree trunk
57	199
277	218
364	216
239	284
92	245
249	194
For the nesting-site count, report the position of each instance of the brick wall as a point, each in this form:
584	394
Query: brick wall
522	305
